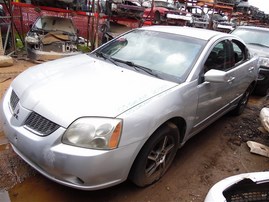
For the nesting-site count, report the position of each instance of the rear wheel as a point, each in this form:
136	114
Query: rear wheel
156	156
261	91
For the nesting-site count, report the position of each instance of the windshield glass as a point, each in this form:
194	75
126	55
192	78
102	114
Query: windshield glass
50	23
170	56
253	36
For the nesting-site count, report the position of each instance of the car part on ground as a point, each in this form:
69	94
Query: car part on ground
257	39
245	187
258	148
51	37
6	61
93	120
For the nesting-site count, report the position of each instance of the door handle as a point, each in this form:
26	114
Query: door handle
251	69
230	80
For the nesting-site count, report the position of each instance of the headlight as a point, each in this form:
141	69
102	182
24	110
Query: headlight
32	38
264	62
94	133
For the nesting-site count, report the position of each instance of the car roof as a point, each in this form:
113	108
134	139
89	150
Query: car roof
198	33
253	28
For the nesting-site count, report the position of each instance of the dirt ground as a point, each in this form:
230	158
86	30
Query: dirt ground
217	152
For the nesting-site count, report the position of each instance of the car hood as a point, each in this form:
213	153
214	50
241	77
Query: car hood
259	50
66	89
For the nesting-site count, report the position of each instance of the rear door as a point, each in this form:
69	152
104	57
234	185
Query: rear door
242	70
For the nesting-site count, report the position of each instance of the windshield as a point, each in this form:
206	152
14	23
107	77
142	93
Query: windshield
50	23
256	37
169	56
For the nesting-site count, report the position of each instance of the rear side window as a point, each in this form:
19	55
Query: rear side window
226	55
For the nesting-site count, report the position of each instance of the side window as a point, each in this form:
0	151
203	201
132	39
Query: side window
239	51
220	57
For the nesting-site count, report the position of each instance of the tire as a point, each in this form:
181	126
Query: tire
242	103
261	91
156	156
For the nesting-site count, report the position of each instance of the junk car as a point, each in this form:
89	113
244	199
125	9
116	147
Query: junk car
166	12
51	37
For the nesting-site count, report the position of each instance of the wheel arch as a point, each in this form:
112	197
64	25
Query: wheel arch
181	125
177	123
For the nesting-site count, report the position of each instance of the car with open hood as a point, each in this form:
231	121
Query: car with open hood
121	112
52	37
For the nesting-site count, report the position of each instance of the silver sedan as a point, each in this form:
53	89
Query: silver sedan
122	111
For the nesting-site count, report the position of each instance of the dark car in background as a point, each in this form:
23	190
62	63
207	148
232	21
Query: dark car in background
221	23
257	39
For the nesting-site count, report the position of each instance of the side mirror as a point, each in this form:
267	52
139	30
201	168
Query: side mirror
214	75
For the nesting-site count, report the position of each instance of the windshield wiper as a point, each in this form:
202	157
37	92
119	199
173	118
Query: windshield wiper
137	67
106	57
258	44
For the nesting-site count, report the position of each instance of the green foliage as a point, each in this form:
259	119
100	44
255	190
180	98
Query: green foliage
84	48
19	43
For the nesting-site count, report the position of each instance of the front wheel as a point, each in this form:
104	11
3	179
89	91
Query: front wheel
156	156
242	103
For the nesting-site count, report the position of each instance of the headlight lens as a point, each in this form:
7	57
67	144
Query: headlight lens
264	62
94	133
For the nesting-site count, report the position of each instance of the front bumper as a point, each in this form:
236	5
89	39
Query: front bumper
46	56
80	168
262	85
243	187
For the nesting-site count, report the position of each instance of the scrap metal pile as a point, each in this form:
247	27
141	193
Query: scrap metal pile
44	44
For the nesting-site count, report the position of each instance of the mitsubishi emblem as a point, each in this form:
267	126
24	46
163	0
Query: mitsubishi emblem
16	114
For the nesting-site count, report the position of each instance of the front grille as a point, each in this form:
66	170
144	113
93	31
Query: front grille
247	191
257	196
59	47
40	125
14	99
